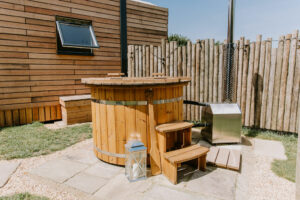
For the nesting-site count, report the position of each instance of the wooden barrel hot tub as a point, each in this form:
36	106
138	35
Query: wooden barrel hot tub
120	112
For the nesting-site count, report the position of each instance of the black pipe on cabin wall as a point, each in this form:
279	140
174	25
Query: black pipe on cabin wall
123	36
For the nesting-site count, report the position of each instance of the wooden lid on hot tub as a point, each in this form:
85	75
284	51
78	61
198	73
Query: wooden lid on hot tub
141	81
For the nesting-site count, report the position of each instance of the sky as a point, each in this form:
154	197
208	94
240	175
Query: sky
201	19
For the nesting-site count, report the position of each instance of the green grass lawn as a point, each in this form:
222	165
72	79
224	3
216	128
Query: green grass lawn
34	139
282	168
23	196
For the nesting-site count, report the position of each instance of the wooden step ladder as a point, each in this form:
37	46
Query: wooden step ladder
175	147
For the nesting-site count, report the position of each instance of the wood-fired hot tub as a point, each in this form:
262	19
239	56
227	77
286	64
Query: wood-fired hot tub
120	112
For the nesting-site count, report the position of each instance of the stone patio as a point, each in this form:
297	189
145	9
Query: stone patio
82	171
77	172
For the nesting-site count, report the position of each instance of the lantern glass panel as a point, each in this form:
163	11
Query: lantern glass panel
136	163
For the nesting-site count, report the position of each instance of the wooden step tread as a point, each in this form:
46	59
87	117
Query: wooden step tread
186	154
173	126
75	98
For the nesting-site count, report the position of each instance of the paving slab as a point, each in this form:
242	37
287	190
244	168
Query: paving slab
166	193
101	170
86	182
269	148
120	188
214	182
6	170
59	170
83	156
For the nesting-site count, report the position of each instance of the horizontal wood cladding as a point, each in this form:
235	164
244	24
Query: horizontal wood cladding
33	76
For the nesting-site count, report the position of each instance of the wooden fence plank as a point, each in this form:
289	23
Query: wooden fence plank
283	80
202	71
244	80
144	61
179	56
211	69
295	103
136	63
255	78
271	89
28	115
159	60
8	118
215	75
197	79
163	55
206	90
172	58
22	114
290	81
240	72
249	84
193	73
167	59
35	114
184	74
155	67
140	61
235	70
147	61
151	60
188	73
220	73
266	83
16	117
129	57
175	70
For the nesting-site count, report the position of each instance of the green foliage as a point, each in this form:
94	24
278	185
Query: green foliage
35	139
181	40
23	196
282	168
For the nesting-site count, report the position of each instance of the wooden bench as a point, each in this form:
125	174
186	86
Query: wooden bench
175	158
76	109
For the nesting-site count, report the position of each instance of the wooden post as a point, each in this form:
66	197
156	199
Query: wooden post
197	79
129	56
206	86
249	84
147	61
159	60
155	60
202	72
240	72
172	58
266	83
283	80
140	61
184	74
220	74
151	60
295	101
211	69
136	63
244	80
168	59
215	76
179	57
175	59
290	81
259	89
255	81
163	55
277	83
144	61
192	97
188	73
271	89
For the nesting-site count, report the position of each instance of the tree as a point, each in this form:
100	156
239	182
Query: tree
180	39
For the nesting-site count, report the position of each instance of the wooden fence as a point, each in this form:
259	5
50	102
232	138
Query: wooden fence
267	77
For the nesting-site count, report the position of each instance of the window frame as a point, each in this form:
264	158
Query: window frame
64	48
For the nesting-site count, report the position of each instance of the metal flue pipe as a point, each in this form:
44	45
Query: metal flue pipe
229	86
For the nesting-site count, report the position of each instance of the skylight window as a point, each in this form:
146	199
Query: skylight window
75	36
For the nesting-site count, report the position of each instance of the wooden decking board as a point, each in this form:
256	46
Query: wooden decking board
212	155
189	155
175	152
234	160
222	158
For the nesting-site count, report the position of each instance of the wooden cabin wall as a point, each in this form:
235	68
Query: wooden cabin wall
33	76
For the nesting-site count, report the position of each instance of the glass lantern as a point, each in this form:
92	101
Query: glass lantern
136	160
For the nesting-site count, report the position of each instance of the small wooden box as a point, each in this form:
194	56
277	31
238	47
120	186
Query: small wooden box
76	109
